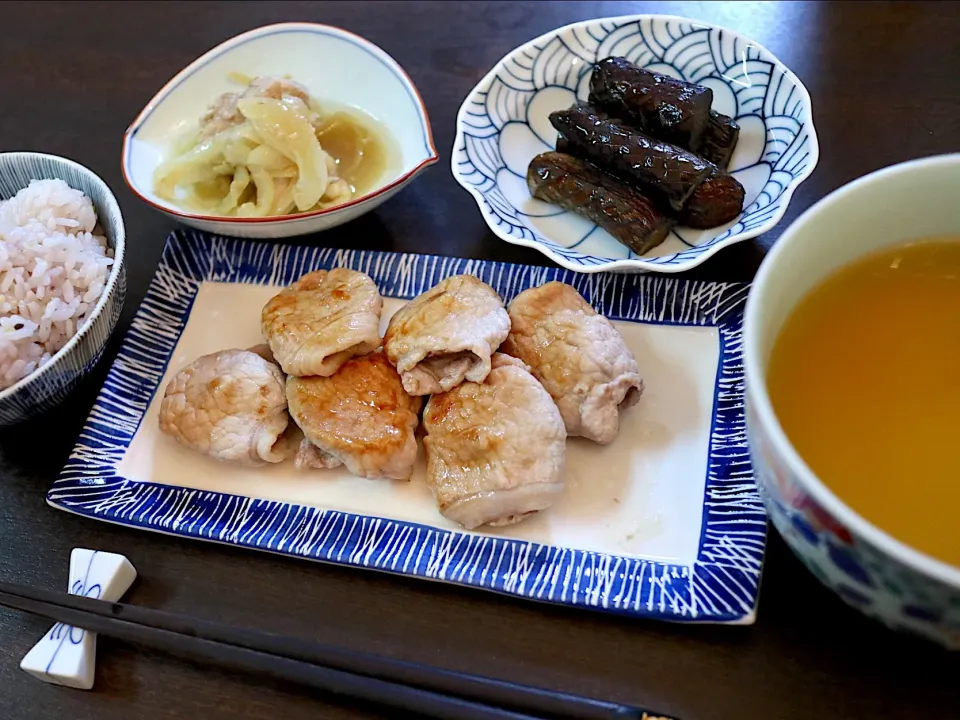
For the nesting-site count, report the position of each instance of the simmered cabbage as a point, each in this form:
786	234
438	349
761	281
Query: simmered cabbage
256	155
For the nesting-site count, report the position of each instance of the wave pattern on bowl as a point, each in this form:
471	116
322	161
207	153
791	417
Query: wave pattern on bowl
503	124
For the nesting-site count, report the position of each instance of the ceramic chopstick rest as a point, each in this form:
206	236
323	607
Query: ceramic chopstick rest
67	655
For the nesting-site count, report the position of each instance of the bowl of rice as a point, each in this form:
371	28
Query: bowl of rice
62	279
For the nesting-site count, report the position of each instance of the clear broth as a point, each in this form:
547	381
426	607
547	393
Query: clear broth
864	378
362	147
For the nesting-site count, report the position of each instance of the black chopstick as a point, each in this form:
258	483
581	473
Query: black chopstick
336	682
425	690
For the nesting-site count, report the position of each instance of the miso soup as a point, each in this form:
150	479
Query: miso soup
864	378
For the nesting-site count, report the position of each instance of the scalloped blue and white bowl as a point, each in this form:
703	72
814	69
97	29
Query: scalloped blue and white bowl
504	123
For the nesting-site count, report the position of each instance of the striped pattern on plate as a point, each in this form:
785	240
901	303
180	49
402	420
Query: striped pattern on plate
721	585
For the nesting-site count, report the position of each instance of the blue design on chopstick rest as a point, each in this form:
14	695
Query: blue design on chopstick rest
65	633
503	124
721	586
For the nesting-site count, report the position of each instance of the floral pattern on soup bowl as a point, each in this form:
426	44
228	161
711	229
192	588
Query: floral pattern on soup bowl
503	124
869	569
366	78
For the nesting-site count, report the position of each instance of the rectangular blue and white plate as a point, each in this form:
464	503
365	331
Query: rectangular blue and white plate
663	523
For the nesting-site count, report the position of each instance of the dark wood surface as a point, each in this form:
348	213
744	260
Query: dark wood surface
885	85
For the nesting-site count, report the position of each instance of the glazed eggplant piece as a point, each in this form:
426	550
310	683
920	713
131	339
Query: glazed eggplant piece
624	212
665	170
661	106
719	139
562	145
716	202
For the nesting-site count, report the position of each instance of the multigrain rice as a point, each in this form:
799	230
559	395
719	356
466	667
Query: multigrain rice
54	265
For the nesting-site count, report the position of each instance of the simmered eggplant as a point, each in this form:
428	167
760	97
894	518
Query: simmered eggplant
719	139
575	185
661	106
656	166
716	202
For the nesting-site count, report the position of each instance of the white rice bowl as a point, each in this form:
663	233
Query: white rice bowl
54	266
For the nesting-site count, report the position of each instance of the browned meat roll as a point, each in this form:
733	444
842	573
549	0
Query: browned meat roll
495	449
359	417
446	335
578	355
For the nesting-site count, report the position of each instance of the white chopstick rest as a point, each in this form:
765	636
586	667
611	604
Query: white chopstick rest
67	655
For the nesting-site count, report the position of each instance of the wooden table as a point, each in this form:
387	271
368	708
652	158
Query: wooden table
885	86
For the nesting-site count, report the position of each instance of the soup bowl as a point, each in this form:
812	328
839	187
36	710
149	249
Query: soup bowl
868	568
